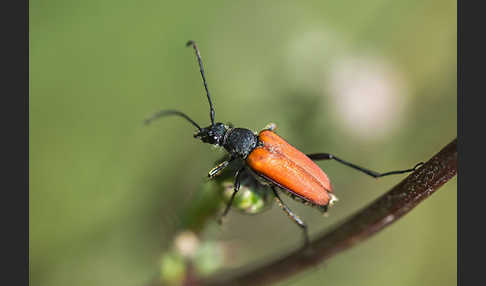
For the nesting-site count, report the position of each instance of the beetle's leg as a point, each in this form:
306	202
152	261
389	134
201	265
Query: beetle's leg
270	126
326	156
217	170
230	202
292	216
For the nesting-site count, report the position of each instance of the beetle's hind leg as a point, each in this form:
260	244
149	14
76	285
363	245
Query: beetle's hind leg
292	216
327	156
236	189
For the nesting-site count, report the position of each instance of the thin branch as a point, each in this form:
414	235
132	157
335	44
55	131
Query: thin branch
366	222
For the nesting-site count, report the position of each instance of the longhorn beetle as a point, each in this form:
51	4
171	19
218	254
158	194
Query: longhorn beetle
270	160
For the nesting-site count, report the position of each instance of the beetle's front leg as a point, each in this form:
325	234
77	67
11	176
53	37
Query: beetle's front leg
219	168
235	190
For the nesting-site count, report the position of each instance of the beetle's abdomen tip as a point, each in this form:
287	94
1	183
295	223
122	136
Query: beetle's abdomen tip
332	199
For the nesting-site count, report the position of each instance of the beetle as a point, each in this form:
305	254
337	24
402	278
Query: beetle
269	159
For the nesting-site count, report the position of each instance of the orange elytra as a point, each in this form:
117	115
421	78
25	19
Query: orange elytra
290	169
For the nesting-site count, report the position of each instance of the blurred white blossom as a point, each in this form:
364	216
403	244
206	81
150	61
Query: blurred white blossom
369	96
368	93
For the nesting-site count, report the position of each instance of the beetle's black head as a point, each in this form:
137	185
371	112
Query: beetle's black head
239	142
213	134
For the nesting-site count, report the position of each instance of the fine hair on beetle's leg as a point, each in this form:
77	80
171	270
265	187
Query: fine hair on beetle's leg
230	202
326	156
292	216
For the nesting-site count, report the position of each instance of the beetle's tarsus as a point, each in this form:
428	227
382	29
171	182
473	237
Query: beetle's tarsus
219	168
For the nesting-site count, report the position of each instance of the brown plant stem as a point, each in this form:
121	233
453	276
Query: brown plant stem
382	212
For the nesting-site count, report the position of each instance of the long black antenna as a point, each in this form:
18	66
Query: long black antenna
171	112
198	55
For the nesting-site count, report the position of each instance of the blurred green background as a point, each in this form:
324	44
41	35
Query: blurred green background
373	82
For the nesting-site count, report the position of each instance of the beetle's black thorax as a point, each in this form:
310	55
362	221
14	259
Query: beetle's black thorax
239	142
